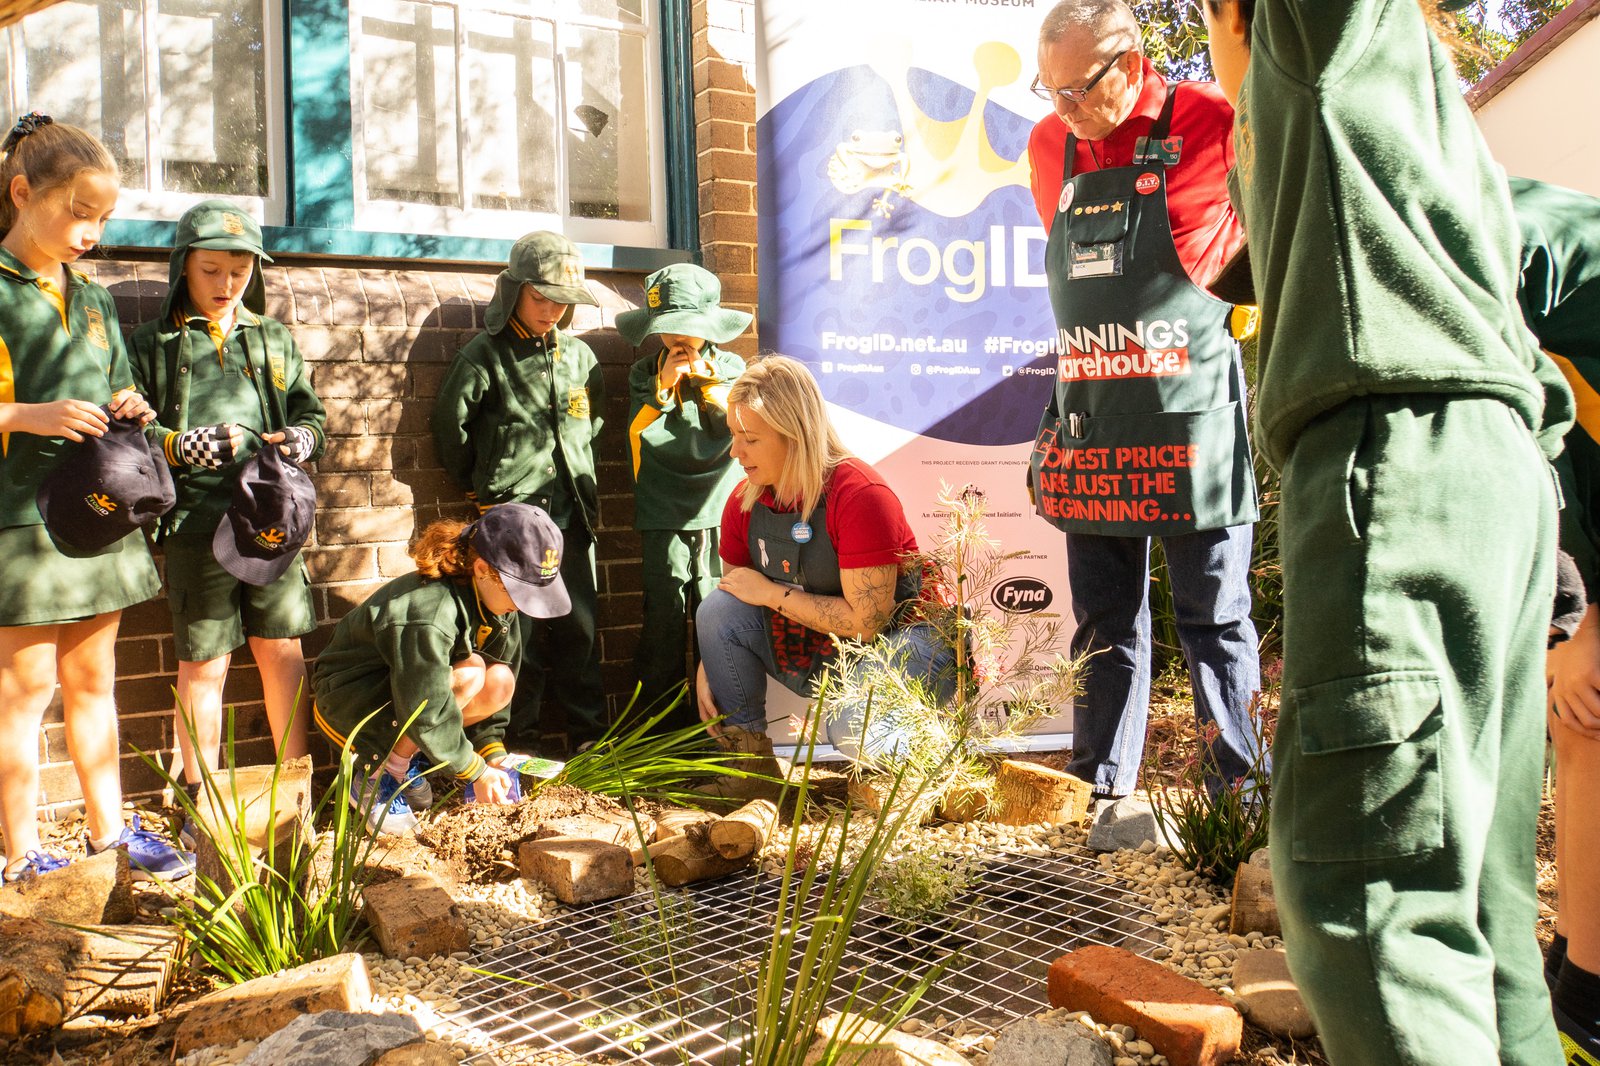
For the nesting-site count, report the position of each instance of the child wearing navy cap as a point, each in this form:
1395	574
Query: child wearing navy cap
443	644
225	379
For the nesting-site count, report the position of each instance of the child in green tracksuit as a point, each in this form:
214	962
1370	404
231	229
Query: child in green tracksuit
1560	298
682	474
1412	418
225	380
515	421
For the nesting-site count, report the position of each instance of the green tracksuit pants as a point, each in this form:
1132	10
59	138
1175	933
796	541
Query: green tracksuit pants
680	568
1418	537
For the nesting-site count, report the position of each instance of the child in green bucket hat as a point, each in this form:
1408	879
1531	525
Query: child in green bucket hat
515	422
682	473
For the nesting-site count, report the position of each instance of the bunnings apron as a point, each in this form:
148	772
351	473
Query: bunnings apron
800	553
1145	434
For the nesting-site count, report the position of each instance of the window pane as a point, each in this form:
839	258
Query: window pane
213	97
626	11
82	63
511	89
608	129
408	74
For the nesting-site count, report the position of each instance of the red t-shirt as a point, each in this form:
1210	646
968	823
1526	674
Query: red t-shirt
1204	227
865	521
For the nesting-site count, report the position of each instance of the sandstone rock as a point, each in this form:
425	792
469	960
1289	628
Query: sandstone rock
335	1038
414	915
258	1008
97	890
1030	1042
1269	996
416	1055
1123	824
893	1048
577	870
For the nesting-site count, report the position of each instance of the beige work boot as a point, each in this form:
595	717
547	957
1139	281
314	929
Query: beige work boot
756	749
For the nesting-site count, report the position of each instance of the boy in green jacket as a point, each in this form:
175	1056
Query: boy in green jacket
682	474
1412	418
515	422
223	378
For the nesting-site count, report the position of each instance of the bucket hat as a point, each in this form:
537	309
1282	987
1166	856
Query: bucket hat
219	225
269	519
105	488
683	299
524	546
552	265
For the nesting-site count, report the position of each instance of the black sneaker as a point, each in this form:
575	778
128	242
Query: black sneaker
415	788
1579	1046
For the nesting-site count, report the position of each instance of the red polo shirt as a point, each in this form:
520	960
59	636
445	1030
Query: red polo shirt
1204	227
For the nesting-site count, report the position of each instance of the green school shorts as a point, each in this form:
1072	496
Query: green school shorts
213	611
42	585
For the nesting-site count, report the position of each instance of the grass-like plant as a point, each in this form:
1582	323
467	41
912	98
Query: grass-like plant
1212	824
1009	673
275	910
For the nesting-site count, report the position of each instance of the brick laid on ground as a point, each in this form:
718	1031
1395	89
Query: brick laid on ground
257	1008
414	915
1188	1023
577	870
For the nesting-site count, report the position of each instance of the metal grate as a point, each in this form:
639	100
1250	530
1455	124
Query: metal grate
599	983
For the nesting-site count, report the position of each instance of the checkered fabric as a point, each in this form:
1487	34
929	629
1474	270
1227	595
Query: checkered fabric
205	446
298	444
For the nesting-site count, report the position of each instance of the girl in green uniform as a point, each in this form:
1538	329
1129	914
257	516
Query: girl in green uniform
63	375
429	663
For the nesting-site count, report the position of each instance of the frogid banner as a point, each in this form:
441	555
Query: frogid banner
901	256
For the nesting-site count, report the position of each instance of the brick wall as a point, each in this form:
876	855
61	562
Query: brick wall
377	338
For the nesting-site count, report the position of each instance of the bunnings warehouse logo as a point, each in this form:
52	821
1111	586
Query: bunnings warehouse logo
1021	595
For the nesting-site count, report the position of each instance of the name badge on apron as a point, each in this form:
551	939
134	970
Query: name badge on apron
1096	260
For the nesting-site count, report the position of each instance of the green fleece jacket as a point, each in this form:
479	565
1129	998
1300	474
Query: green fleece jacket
1380	229
515	422
682	473
1560	298
393	654
53	346
277	388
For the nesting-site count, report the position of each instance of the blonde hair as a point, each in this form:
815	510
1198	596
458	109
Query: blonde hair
784	393
442	552
53	155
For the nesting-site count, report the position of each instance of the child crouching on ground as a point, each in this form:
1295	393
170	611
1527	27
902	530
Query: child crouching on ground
442	644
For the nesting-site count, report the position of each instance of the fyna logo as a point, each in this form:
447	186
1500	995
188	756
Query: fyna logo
1021	595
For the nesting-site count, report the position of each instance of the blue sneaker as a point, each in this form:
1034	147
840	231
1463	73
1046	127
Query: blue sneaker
384	803
513	794
149	857
415	788
30	866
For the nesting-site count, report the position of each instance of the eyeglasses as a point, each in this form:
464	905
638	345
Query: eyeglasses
1074	96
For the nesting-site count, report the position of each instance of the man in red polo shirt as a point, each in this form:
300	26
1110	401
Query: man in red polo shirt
1145	431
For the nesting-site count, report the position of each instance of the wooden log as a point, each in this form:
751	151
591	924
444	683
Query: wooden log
97	890
414	915
675	821
744	833
49	974
1254	908
1029	794
963	805
691	857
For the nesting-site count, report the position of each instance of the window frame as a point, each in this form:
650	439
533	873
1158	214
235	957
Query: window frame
317	152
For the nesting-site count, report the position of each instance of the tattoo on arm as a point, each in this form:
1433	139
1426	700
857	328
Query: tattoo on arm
870	594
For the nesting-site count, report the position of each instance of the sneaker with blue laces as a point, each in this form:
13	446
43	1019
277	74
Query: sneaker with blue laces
149	857
380	796
30	866
415	788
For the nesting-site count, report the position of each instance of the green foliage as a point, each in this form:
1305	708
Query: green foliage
1009	673
277	910
919	884
1211	824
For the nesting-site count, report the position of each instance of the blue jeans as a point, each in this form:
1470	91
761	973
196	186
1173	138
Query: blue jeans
1110	582
738	659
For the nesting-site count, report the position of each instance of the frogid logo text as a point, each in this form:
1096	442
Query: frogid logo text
966	269
1112	350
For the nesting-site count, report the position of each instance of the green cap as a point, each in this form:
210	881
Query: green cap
223	226
552	265
686	300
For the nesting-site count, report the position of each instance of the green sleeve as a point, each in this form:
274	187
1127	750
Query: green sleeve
419	658
303	406
597	395
488	736
145	363
460	398
1319	41
642	390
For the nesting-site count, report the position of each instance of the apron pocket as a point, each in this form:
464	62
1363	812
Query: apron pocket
1367	781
